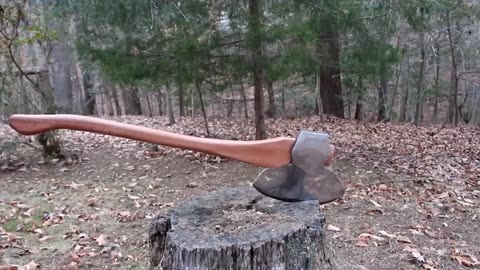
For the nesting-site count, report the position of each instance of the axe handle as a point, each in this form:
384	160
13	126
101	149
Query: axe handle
266	153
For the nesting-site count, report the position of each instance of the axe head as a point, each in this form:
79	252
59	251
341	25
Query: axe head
306	177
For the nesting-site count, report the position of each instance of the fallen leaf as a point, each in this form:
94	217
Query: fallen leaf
31	266
101	240
361	243
384	233
428	266
192	185
92	202
430	233
74	256
373	212
115	254
376	204
64	169
74	185
133	197
130	168
125	213
368	235
403	239
331	227
44	238
416	254
463	260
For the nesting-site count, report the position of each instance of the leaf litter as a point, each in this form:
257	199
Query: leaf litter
410	189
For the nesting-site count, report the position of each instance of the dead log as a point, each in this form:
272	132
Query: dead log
238	228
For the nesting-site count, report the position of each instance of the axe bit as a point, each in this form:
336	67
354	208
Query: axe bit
297	168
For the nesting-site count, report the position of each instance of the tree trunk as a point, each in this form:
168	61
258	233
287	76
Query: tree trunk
476	107
192	95
437	87
181	99
404	105
88	101
349	106
330	81
420	95
113	95
255	26
171	116
453	104
238	228
382	94
199	92
283	100
101	110
149	104
359	108
244	98
271	100
318	92
47	89
60	69
395	89
25	100
51	145
230	107
159	100
131	99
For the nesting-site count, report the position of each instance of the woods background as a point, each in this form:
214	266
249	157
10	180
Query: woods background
381	60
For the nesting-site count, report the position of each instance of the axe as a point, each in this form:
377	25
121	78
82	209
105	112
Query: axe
296	169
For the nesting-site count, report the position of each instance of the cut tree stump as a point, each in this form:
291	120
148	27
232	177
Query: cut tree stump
241	229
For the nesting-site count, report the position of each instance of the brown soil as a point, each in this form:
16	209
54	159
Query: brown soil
94	211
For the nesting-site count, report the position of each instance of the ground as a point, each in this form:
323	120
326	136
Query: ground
411	201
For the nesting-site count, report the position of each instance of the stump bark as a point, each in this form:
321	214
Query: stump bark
240	229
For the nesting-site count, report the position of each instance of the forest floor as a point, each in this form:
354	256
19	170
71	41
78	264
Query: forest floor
412	199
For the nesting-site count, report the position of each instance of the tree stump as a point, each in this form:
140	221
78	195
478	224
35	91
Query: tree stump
241	229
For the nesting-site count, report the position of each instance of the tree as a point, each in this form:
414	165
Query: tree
20	27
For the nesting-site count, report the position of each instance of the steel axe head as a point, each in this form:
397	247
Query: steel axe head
306	177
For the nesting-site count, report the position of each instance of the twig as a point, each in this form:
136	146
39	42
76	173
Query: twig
31	145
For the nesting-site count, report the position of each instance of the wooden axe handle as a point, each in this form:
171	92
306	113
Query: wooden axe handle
266	153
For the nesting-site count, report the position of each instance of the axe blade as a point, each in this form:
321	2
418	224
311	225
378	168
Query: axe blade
306	177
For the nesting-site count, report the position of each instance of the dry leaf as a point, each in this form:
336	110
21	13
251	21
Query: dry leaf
376	204
428	266
115	254
384	233
462	260
416	254
130	168
44	238
74	185
403	239
373	212
368	235
31	266
361	243
101	240
125	213
133	197
331	227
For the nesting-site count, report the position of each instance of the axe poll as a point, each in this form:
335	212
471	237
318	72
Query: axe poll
297	169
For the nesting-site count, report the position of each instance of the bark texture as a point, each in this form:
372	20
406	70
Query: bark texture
239	228
255	25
